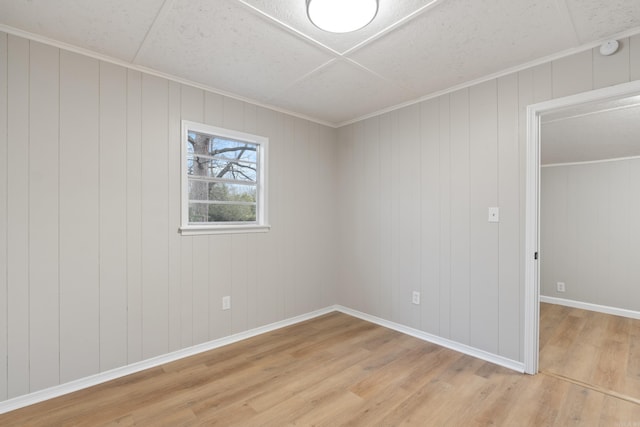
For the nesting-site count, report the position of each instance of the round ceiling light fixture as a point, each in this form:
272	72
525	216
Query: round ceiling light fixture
341	16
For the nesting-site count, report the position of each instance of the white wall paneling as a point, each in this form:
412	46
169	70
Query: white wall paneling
480	160
460	219
4	170
44	106
79	217
483	192
509	171
93	273
17	203
430	200
113	216
590	233
134	216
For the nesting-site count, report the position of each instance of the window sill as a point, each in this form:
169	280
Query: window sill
196	230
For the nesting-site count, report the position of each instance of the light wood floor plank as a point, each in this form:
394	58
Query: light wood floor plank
593	348
338	370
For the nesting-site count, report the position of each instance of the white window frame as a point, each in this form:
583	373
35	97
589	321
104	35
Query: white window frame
261	224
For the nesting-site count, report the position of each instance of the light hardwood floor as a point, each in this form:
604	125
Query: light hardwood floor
329	371
593	348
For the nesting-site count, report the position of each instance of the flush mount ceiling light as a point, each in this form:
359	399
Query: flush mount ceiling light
341	16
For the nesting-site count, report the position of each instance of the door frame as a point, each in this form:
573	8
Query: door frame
532	210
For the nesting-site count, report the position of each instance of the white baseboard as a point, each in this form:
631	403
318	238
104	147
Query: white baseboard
592	307
70	387
425	336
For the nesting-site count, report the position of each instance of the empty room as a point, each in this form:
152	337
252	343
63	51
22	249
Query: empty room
319	212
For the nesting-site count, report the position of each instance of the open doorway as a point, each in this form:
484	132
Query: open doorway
590	243
614	98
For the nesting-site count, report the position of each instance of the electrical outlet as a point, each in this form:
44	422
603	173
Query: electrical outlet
560	286
226	303
415	298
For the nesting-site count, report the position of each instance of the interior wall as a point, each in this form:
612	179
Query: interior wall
416	187
93	273
590	234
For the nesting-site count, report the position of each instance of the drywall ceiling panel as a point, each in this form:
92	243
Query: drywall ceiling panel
461	40
602	135
341	90
115	27
226	45
595	19
293	13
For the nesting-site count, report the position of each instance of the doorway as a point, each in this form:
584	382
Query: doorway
578	104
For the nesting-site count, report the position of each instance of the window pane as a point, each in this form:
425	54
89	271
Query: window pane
204	212
219	168
226	148
232	192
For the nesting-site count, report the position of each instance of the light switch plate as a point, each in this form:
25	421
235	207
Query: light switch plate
494	214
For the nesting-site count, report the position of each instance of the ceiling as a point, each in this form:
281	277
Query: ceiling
268	51
591	132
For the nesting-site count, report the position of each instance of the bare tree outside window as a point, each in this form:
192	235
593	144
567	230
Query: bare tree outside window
222	179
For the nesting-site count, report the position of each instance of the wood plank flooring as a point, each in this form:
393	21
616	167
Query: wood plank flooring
593	348
331	371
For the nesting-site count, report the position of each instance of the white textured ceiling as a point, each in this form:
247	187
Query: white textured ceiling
591	132
268	51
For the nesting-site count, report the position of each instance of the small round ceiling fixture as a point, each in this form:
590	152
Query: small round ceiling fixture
341	16
609	47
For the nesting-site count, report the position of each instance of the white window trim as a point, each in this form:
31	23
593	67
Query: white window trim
262	223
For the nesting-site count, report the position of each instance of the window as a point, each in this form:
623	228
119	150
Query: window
223	180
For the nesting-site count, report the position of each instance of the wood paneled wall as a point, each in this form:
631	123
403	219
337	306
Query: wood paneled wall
590	234
416	184
93	273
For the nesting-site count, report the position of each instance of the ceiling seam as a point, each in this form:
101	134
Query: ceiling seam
162	13
393	26
289	28
566	13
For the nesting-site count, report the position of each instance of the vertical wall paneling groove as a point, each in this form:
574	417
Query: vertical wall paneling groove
483	237
4	61
613	69
155	182
510	219
134	216
371	217
634	57
174	206
113	216
385	125
79	217
407	176
287	215
18	216
444	224
430	215
44	103
201	278
460	216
